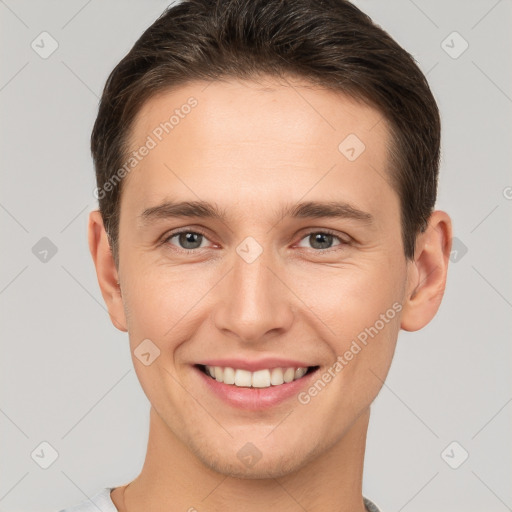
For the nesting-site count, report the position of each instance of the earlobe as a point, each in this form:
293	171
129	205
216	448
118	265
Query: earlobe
427	274
106	270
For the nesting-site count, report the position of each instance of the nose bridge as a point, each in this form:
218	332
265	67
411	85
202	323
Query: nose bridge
255	300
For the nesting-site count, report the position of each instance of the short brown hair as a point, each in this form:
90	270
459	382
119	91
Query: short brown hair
330	43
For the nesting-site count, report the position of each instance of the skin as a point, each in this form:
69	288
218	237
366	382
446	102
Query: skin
252	147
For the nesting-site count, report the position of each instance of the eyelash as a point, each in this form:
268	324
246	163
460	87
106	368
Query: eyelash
167	237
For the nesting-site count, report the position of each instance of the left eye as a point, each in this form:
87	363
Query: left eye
322	240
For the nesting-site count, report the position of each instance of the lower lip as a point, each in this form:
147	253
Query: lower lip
255	398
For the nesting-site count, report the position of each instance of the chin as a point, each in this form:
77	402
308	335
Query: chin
260	471
271	464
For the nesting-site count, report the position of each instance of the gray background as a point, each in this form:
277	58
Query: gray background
67	375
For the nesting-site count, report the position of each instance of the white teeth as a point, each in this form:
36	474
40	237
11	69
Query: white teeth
229	376
300	372
289	374
276	377
242	377
257	379
261	379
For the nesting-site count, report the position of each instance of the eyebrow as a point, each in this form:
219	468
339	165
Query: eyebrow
304	210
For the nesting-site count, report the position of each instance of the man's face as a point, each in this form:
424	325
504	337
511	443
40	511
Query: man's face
257	286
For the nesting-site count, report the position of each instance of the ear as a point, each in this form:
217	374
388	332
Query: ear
426	275
106	270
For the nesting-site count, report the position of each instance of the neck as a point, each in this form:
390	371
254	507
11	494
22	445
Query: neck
173	475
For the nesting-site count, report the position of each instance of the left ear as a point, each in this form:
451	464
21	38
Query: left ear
426	275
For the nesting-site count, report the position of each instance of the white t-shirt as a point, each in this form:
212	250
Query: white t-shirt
103	502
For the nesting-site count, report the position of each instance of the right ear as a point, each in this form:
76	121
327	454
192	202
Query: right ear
106	270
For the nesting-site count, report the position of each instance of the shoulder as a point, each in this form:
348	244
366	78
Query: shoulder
100	501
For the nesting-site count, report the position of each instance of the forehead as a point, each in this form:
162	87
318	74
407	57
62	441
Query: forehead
268	109
250	142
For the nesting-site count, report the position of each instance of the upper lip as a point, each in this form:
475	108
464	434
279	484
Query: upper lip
254	365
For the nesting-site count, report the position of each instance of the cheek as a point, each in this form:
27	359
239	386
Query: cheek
359	309
162	301
349	299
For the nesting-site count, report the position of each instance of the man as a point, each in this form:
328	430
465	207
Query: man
267	174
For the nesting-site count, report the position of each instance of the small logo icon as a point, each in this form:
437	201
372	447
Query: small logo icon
459	250
249	455
44	45
454	45
249	250
44	250
351	147
454	455
146	352
44	455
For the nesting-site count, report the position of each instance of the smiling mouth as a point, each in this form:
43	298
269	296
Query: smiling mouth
259	379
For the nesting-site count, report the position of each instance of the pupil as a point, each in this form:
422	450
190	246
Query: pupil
317	237
190	238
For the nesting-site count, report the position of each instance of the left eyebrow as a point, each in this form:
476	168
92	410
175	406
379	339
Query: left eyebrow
305	210
328	209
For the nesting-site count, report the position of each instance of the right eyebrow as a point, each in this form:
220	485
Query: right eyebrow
171	209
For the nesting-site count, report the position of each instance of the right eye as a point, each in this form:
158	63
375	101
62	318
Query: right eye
187	239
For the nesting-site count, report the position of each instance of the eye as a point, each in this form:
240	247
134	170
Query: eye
322	240
188	240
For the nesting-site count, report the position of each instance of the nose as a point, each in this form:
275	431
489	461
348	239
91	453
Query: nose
254	302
